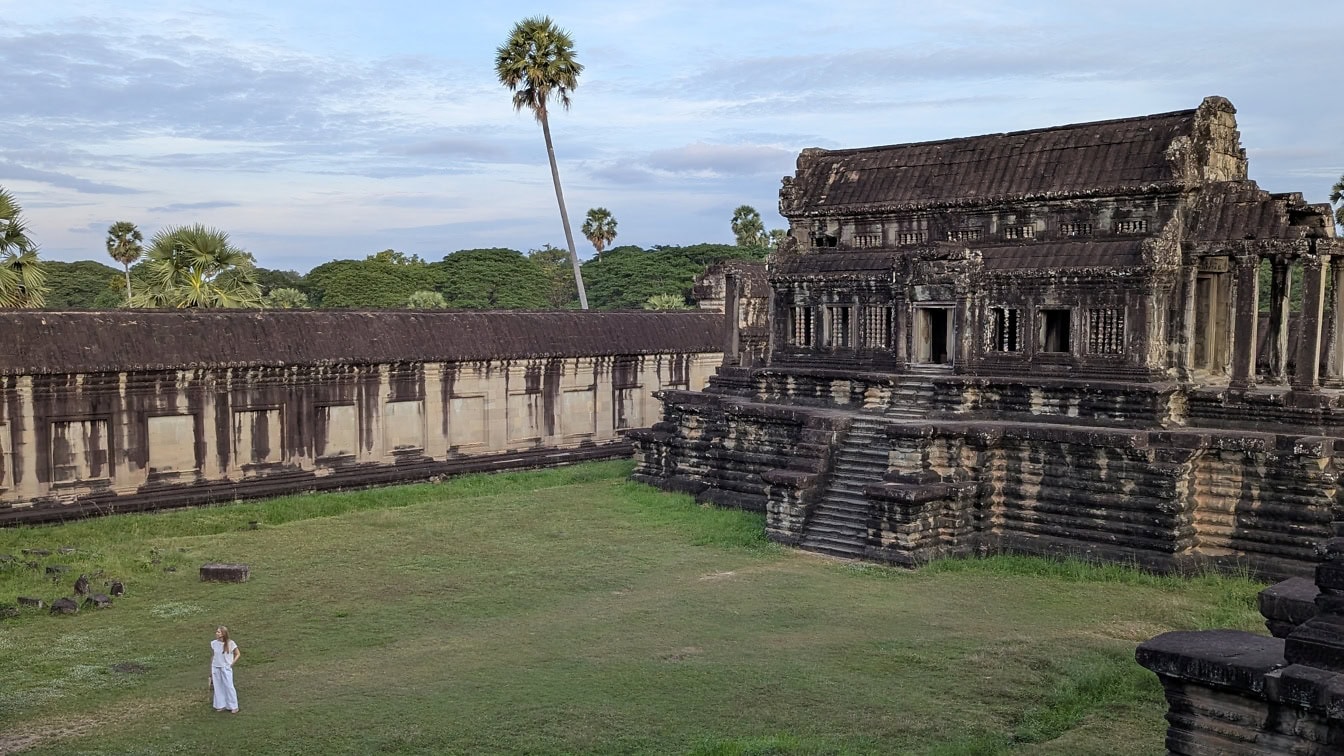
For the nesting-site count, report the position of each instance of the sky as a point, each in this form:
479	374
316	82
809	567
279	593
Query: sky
316	130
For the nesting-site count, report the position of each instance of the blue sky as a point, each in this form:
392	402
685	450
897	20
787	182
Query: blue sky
313	131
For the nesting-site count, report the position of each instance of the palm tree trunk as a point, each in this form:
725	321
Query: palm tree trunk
128	283
564	216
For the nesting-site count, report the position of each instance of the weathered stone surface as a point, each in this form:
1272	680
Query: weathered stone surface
57	569
36	552
103	413
31	601
8	611
224	573
64	606
1288	604
98	601
1062	323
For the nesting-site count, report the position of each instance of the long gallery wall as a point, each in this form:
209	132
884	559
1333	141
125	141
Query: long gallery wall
117	411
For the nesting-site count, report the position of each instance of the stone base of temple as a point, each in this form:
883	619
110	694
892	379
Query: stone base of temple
860	470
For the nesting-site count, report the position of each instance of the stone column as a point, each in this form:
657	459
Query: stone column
1246	323
731	318
1309	330
1334	338
1278	318
966	332
1185	358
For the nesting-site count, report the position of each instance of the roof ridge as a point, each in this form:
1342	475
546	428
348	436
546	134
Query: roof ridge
1086	124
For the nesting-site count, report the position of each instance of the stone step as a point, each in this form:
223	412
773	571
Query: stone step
856	514
842	503
841	531
829	548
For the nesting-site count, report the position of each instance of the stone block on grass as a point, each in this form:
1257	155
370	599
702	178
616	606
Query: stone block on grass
218	572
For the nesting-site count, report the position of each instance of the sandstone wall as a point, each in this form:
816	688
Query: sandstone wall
226	405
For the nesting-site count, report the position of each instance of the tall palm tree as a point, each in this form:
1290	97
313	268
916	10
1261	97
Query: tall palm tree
537	64
124	244
748	228
195	266
599	228
22	279
1337	197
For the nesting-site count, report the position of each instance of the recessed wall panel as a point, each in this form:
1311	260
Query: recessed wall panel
404	425
172	443
578	412
338	430
256	436
467	421
79	451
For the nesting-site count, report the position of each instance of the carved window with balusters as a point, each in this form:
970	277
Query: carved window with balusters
1106	330
877	327
1003	331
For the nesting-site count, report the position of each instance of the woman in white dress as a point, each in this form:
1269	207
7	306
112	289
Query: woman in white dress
225	653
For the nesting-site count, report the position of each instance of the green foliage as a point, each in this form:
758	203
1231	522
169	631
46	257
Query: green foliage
599	228
283	298
1337	199
1266	284
125	245
748	228
537	64
22	274
394	257
83	285
554	264
195	266
427	300
666	302
494	278
269	279
370	284
628	275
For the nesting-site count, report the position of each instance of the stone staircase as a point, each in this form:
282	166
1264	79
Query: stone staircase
839	524
911	399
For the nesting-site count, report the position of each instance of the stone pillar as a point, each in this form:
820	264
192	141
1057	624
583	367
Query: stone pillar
731	318
1334	339
1309	330
1278	318
1185	358
1246	322
966	332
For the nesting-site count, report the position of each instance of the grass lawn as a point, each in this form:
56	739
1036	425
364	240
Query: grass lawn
571	611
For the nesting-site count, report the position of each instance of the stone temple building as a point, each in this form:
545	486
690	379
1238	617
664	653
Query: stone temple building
1101	339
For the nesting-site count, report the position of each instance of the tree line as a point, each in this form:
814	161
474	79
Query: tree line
626	277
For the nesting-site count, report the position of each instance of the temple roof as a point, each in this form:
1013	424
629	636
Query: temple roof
1121	156
130	340
1242	210
1090	253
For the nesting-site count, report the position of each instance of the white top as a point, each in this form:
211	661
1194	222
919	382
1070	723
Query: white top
220	658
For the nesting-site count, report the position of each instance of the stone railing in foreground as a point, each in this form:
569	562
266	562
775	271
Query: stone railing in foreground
1233	692
127	410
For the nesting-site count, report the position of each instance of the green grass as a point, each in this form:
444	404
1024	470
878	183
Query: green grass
570	611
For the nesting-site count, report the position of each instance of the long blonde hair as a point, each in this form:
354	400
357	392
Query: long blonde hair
223	638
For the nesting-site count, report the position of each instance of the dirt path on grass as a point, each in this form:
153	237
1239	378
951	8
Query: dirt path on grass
44	732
